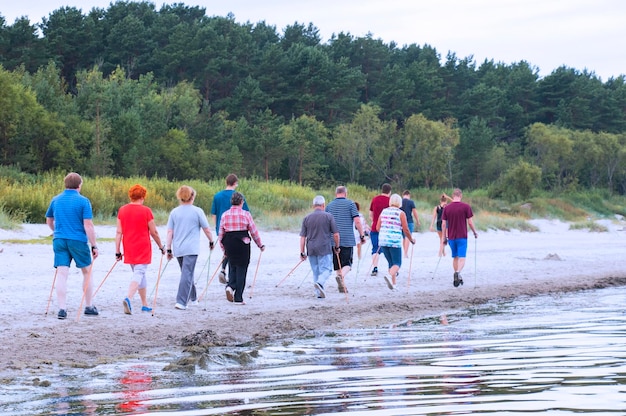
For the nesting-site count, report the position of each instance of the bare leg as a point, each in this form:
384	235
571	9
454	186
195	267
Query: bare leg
142	295
405	246
393	271
460	264
442	249
61	284
132	289
87	285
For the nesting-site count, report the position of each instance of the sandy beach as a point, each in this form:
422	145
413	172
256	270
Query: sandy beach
500	265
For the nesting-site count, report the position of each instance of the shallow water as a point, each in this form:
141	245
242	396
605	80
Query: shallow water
561	354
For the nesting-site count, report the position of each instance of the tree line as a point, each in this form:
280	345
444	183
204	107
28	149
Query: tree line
132	90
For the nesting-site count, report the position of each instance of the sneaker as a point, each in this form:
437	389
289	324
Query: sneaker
230	294
457	279
240	303
321	294
146	309
91	310
194	302
62	314
128	310
222	277
389	282
340	285
375	271
180	306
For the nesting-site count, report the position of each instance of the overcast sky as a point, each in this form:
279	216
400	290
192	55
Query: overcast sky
581	34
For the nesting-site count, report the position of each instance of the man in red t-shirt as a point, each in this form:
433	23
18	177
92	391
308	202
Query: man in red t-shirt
456	217
135	226
379	202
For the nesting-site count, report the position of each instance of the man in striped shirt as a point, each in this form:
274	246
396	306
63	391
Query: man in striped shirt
346	217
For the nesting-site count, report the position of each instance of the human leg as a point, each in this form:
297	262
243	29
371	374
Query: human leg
187	266
237	280
61	286
375	251
87	286
442	248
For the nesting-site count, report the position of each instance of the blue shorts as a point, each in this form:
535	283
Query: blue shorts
374	240
458	247
393	255
65	250
411	228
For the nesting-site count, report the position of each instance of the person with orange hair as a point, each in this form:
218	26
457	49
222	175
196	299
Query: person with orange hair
135	226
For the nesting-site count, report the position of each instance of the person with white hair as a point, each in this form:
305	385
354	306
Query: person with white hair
319	234
392	225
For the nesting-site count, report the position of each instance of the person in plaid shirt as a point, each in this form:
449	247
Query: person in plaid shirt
237	228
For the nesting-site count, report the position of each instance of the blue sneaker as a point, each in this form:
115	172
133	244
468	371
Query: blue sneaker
146	309
62	314
91	310
128	310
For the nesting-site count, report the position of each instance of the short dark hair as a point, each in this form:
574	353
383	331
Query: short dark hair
231	179
407	192
73	180
386	188
237	198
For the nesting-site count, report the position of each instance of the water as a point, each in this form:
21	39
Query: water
560	354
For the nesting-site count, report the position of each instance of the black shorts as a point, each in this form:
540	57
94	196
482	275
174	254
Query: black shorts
345	257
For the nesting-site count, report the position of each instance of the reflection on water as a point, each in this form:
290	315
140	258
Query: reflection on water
551	354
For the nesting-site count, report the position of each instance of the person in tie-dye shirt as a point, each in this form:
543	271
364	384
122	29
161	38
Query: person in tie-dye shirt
391	226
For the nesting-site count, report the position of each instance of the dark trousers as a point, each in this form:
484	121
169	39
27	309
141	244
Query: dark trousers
237	249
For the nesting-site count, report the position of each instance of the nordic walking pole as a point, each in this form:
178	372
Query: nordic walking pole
305	276
255	273
210	280
436	267
208	272
85	286
105	277
156	287
475	250
343	282
290	271
164	268
202	271
56	269
410	266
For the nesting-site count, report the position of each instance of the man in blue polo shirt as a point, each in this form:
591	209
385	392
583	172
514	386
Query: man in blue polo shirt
70	218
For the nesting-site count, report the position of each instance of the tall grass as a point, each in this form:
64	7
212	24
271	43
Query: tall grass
280	205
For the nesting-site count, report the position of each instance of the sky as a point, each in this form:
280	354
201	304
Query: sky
579	34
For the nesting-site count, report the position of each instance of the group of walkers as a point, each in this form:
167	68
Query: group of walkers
327	238
393	218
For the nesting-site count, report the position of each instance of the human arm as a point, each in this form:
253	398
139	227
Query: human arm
434	219
50	222
154	233
209	235
302	244
358	224
470	222
444	231
118	240
90	230
168	243
416	216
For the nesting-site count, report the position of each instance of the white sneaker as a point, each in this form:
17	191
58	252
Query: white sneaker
320	291
230	294
194	303
222	277
180	307
389	283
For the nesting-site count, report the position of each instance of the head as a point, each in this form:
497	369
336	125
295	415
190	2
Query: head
341	191
457	194
406	194
137	193
319	202
443	199
386	189
185	194
73	181
358	207
395	201
232	180
236	199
